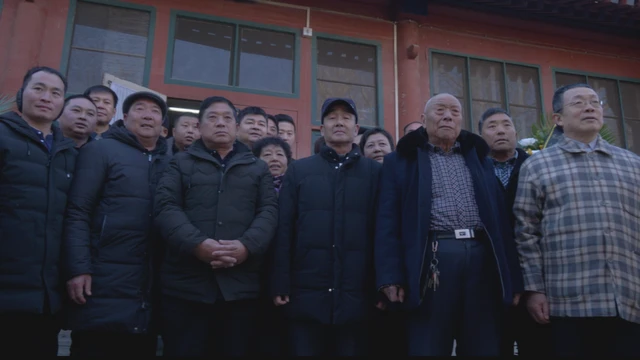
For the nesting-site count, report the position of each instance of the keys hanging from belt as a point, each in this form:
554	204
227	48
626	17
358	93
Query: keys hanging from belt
434	273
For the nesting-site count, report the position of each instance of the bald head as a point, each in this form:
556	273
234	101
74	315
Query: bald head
437	98
443	120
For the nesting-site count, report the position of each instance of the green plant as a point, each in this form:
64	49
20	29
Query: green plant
607	134
6	103
542	129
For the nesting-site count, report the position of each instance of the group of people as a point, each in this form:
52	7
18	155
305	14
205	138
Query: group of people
207	233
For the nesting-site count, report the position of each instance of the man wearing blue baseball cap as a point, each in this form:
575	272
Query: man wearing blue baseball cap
323	267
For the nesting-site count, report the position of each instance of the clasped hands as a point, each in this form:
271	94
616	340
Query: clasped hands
221	253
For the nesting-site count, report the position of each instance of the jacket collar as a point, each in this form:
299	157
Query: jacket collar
16	122
330	155
409	144
118	131
198	149
575	147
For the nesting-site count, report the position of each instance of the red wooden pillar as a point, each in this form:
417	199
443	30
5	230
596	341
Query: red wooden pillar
410	99
25	42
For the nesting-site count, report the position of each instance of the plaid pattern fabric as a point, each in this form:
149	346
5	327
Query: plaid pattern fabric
454	202
504	169
578	232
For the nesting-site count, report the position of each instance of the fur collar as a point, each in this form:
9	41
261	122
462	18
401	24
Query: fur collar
418	139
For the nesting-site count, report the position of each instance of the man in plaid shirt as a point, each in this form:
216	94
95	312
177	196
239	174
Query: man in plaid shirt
578	234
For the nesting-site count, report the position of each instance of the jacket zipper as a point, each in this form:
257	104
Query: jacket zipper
149	258
224	171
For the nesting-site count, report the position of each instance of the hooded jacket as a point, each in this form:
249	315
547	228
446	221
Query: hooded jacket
33	194
109	232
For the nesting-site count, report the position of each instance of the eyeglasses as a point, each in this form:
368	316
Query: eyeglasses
581	104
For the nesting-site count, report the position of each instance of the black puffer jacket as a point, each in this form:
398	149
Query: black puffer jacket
109	231
199	198
323	250
33	194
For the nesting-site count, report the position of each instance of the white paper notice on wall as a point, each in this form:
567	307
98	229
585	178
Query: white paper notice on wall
124	88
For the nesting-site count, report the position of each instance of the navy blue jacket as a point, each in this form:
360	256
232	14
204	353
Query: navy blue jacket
404	212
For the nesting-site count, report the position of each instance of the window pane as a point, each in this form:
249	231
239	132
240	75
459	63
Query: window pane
363	96
525	106
449	74
633	135
524	118
202	51
487	81
86	68
487	87
607	90
630	93
266	60
107	39
523	85
563	79
111	28
346	62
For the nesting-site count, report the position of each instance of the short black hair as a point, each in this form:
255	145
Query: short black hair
273	118
489	113
96	89
251	110
177	117
558	95
272	140
362	130
27	77
206	103
77	96
376	130
285	118
317	145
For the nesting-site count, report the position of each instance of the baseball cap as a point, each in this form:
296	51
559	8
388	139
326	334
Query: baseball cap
331	102
131	99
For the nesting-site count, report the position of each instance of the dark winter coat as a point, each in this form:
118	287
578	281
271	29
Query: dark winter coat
200	198
405	209
33	194
323	250
109	231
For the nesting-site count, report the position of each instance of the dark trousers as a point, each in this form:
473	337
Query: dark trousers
595	337
226	328
533	339
87	344
466	306
31	335
272	330
312	339
388	334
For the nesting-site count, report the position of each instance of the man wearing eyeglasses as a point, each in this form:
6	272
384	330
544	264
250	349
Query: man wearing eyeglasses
578	234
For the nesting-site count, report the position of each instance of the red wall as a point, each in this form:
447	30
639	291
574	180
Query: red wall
33	34
550	47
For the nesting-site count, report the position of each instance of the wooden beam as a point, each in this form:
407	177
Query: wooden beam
518	4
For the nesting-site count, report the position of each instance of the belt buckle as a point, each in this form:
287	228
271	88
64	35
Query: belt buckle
463	233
